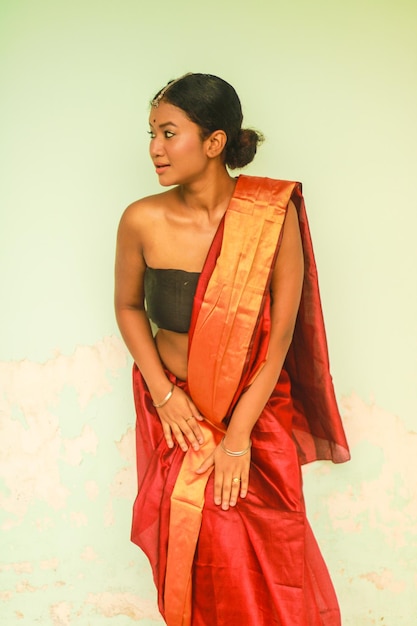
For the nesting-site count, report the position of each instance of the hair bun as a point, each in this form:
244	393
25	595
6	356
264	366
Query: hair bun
242	150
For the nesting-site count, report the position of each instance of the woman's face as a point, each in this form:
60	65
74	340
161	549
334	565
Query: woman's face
176	148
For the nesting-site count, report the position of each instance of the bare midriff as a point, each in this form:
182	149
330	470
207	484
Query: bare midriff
173	350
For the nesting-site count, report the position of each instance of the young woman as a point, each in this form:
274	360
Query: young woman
232	389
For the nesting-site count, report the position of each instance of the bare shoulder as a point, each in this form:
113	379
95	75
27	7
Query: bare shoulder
147	210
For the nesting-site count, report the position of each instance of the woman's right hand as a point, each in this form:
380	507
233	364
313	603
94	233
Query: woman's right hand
179	418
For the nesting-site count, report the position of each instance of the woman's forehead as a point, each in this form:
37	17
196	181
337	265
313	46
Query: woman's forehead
166	110
167	113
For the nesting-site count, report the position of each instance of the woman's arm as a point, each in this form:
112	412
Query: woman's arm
129	302
136	331
287	281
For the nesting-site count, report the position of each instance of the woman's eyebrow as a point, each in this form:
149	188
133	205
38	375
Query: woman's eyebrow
165	124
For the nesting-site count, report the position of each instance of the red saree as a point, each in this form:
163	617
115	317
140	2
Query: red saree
256	564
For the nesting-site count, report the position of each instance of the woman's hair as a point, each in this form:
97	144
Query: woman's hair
213	104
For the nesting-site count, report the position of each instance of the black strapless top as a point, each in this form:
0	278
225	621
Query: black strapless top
169	296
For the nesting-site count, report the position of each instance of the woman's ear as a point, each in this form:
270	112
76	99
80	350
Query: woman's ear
216	143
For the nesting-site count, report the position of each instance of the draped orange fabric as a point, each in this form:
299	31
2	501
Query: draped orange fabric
224	325
256	564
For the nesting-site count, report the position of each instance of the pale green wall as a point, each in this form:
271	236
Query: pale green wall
334	88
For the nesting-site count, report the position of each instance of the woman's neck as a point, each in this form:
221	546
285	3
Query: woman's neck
210	195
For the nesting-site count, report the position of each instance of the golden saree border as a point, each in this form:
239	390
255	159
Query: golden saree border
220	343
187	500
235	293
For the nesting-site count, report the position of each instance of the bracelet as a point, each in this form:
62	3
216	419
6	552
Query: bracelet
158	405
232	453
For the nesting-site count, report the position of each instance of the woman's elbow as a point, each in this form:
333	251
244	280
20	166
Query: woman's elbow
281	341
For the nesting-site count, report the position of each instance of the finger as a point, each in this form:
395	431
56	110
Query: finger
244	485
207	463
234	492
179	437
167	434
226	493
218	487
194	411
189	430
193	423
193	432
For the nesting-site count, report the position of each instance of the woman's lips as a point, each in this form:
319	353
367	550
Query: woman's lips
160	168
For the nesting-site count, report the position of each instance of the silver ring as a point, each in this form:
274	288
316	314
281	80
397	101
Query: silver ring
236	480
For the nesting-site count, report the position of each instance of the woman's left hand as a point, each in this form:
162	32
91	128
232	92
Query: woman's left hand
231	476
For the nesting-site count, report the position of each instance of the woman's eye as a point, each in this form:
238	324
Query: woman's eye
167	134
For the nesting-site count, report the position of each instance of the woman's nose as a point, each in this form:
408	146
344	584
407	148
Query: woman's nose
156	147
